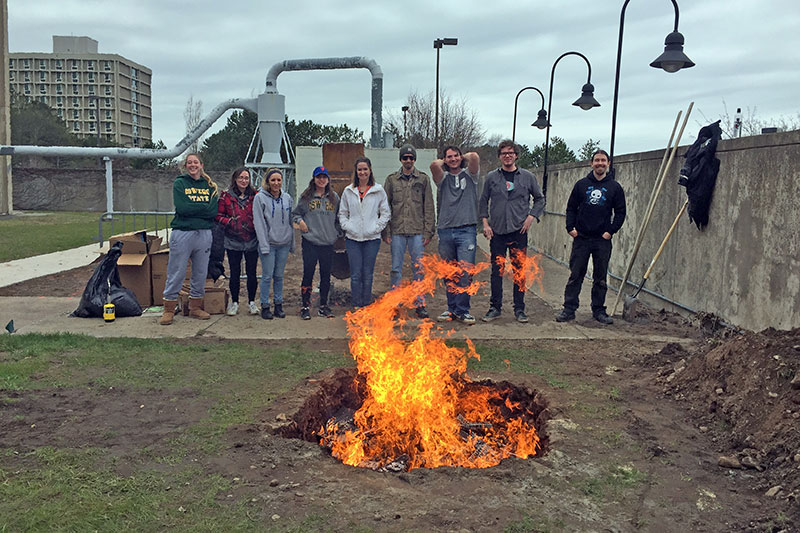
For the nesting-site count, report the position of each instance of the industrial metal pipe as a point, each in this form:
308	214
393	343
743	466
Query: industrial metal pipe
332	63
137	153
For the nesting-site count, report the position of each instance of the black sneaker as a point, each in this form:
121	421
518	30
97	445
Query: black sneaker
305	314
520	316
491	314
603	318
266	314
279	312
565	316
422	312
325	311
466	318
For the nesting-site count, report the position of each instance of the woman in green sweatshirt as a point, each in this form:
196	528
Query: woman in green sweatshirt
195	196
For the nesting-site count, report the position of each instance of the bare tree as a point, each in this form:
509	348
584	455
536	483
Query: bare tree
750	124
192	115
458	124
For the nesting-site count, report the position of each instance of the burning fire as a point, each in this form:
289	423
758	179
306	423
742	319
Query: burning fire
419	406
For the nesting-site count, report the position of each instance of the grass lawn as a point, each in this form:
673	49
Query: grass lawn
31	234
83	487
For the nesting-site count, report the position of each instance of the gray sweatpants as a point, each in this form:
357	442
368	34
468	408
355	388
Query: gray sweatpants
183	245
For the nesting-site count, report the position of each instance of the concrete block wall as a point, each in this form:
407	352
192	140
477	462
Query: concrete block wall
744	267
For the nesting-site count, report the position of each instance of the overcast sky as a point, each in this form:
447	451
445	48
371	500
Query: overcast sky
747	55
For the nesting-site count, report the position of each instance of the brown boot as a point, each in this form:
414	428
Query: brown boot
169	312
196	309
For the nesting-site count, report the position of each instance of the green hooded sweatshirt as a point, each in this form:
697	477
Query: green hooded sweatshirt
195	206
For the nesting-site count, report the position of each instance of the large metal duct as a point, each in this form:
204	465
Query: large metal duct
330	63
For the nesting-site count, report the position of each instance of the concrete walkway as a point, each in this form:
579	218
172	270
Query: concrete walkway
50	315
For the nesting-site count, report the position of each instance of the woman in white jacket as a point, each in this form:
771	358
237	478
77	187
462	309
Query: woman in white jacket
363	213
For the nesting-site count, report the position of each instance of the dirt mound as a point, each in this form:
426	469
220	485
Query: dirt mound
745	392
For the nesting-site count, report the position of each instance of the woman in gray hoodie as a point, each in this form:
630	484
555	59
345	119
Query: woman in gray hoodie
272	218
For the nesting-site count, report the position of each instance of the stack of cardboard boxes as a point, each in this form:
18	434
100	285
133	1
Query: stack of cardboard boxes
143	269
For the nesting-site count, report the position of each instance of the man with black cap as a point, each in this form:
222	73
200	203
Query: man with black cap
413	220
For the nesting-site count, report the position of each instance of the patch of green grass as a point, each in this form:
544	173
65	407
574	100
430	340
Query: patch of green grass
41	233
75	491
613	483
529	524
525	359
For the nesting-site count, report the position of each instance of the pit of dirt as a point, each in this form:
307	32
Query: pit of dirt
338	395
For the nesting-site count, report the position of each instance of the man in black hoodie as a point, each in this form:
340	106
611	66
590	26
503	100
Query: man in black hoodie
591	226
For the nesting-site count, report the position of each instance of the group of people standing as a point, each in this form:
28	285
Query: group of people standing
260	225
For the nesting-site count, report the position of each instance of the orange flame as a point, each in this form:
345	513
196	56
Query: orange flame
418	400
524	269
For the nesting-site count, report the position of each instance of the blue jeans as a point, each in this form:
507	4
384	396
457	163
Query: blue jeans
272	266
458	244
415	250
362	256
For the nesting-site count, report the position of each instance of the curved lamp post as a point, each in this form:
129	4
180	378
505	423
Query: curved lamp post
437	44
585	102
672	60
541	120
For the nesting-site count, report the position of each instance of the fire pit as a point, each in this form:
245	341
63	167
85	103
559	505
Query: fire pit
411	404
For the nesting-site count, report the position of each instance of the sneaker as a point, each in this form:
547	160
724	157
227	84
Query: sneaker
491	314
325	311
521	316
266	314
565	316
305	314
447	316
603	318
253	308
466	318
233	309
279	311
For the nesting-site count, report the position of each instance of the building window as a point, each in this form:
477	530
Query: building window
107	78
59	64
26	64
108	91
92	102
135	107
60	113
27	88
59	88
76	77
134	97
135	119
11	75
60	101
76	89
75	64
11	64
76	114
92	115
91	127
134	73
59	76
133	85
42	64
108	114
90	65
76	126
75	102
106	65
43	99
109	127
108	102
43	76
91	77
91	89
42	88
27	76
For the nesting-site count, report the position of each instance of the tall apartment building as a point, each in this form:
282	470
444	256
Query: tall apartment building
93	93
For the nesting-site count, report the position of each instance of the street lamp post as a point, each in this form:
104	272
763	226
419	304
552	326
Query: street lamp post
541	120
672	60
437	44
585	102
405	125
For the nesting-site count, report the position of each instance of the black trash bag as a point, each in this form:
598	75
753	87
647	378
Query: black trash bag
215	267
105	278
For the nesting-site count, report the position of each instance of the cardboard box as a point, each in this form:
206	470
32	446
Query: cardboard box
158	274
134	265
215	301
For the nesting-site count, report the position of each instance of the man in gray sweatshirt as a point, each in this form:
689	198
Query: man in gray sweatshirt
507	214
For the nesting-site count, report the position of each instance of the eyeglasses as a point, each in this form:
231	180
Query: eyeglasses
408	158
507	153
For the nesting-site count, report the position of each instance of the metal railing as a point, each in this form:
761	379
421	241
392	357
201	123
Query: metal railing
116	222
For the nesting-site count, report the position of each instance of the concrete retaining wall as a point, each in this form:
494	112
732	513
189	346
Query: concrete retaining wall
745	266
